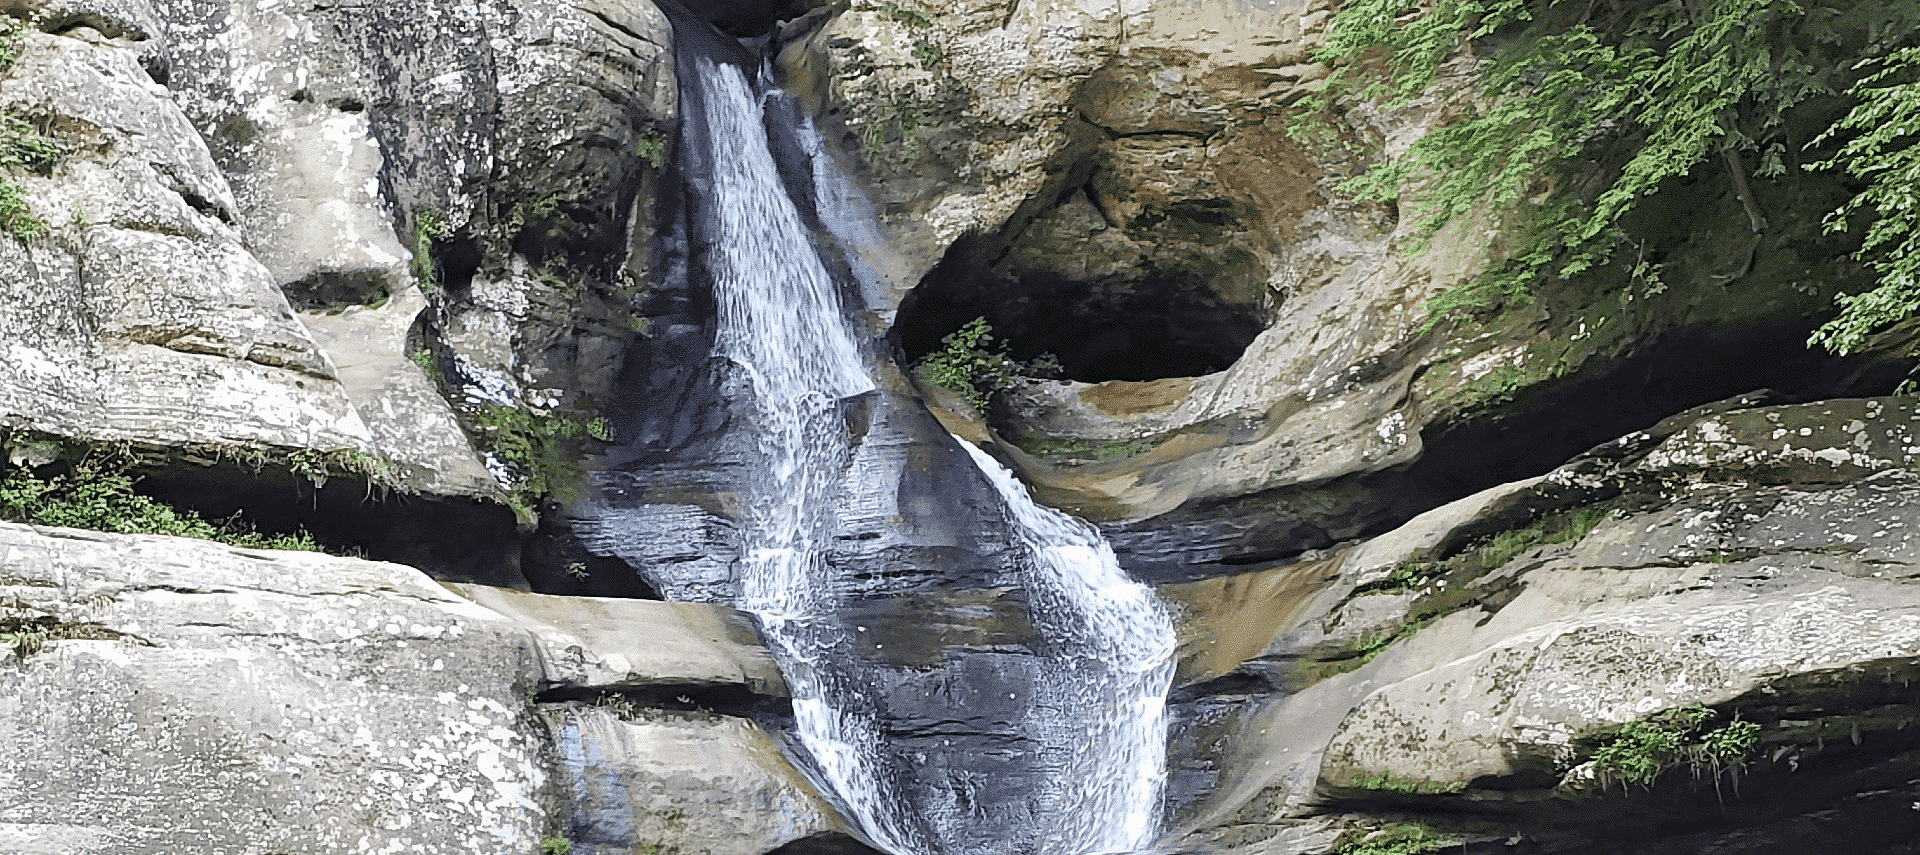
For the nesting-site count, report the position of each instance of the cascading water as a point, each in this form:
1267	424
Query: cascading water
1103	643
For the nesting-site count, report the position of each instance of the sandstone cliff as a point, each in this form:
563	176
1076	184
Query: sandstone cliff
371	269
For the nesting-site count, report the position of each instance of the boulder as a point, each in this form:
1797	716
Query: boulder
613	645
679	782
168	695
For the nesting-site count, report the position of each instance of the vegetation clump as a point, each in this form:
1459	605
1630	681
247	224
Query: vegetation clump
427	228
91	496
970	362
1582	110
975	364
22	148
652	148
542	450
1643	749
1403	838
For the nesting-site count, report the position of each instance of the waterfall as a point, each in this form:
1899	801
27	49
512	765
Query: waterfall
793	359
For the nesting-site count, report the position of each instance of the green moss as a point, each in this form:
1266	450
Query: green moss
551	845
1395	839
543	449
427	228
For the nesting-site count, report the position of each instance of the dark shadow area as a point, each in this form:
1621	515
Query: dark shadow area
747	18
450	539
1165	323
733	700
827	844
333	291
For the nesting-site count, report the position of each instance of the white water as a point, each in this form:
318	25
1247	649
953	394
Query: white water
1098	712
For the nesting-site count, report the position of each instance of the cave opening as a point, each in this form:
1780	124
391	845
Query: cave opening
1160	322
748	18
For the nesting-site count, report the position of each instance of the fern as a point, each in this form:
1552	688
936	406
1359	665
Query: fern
1644	91
1886	121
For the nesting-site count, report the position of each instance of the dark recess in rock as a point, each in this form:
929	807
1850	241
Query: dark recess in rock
331	291
1683	369
451	539
1166	323
826	844
555	562
736	701
748	18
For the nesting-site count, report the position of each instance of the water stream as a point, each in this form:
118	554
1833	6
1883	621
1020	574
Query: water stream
1102	656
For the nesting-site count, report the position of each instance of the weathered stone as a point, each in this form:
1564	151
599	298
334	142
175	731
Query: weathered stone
1702	587
599	644
198	697
692	783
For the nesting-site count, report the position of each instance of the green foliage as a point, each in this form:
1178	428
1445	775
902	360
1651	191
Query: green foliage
551	845
543	449
908	16
1100	450
102	499
969	362
427	228
901	115
24	640
1387	783
927	53
1395	839
13	39
652	148
318	466
1643	749
16	216
423	357
22	147
1886	124
1640	92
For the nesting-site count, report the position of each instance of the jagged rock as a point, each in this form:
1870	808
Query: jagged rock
193	696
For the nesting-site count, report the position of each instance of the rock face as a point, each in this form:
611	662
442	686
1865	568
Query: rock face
1756	562
191	697
1167	175
265	220
170	695
679	783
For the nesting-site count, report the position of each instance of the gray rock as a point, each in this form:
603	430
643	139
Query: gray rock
200	698
1746	566
690	783
613	645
